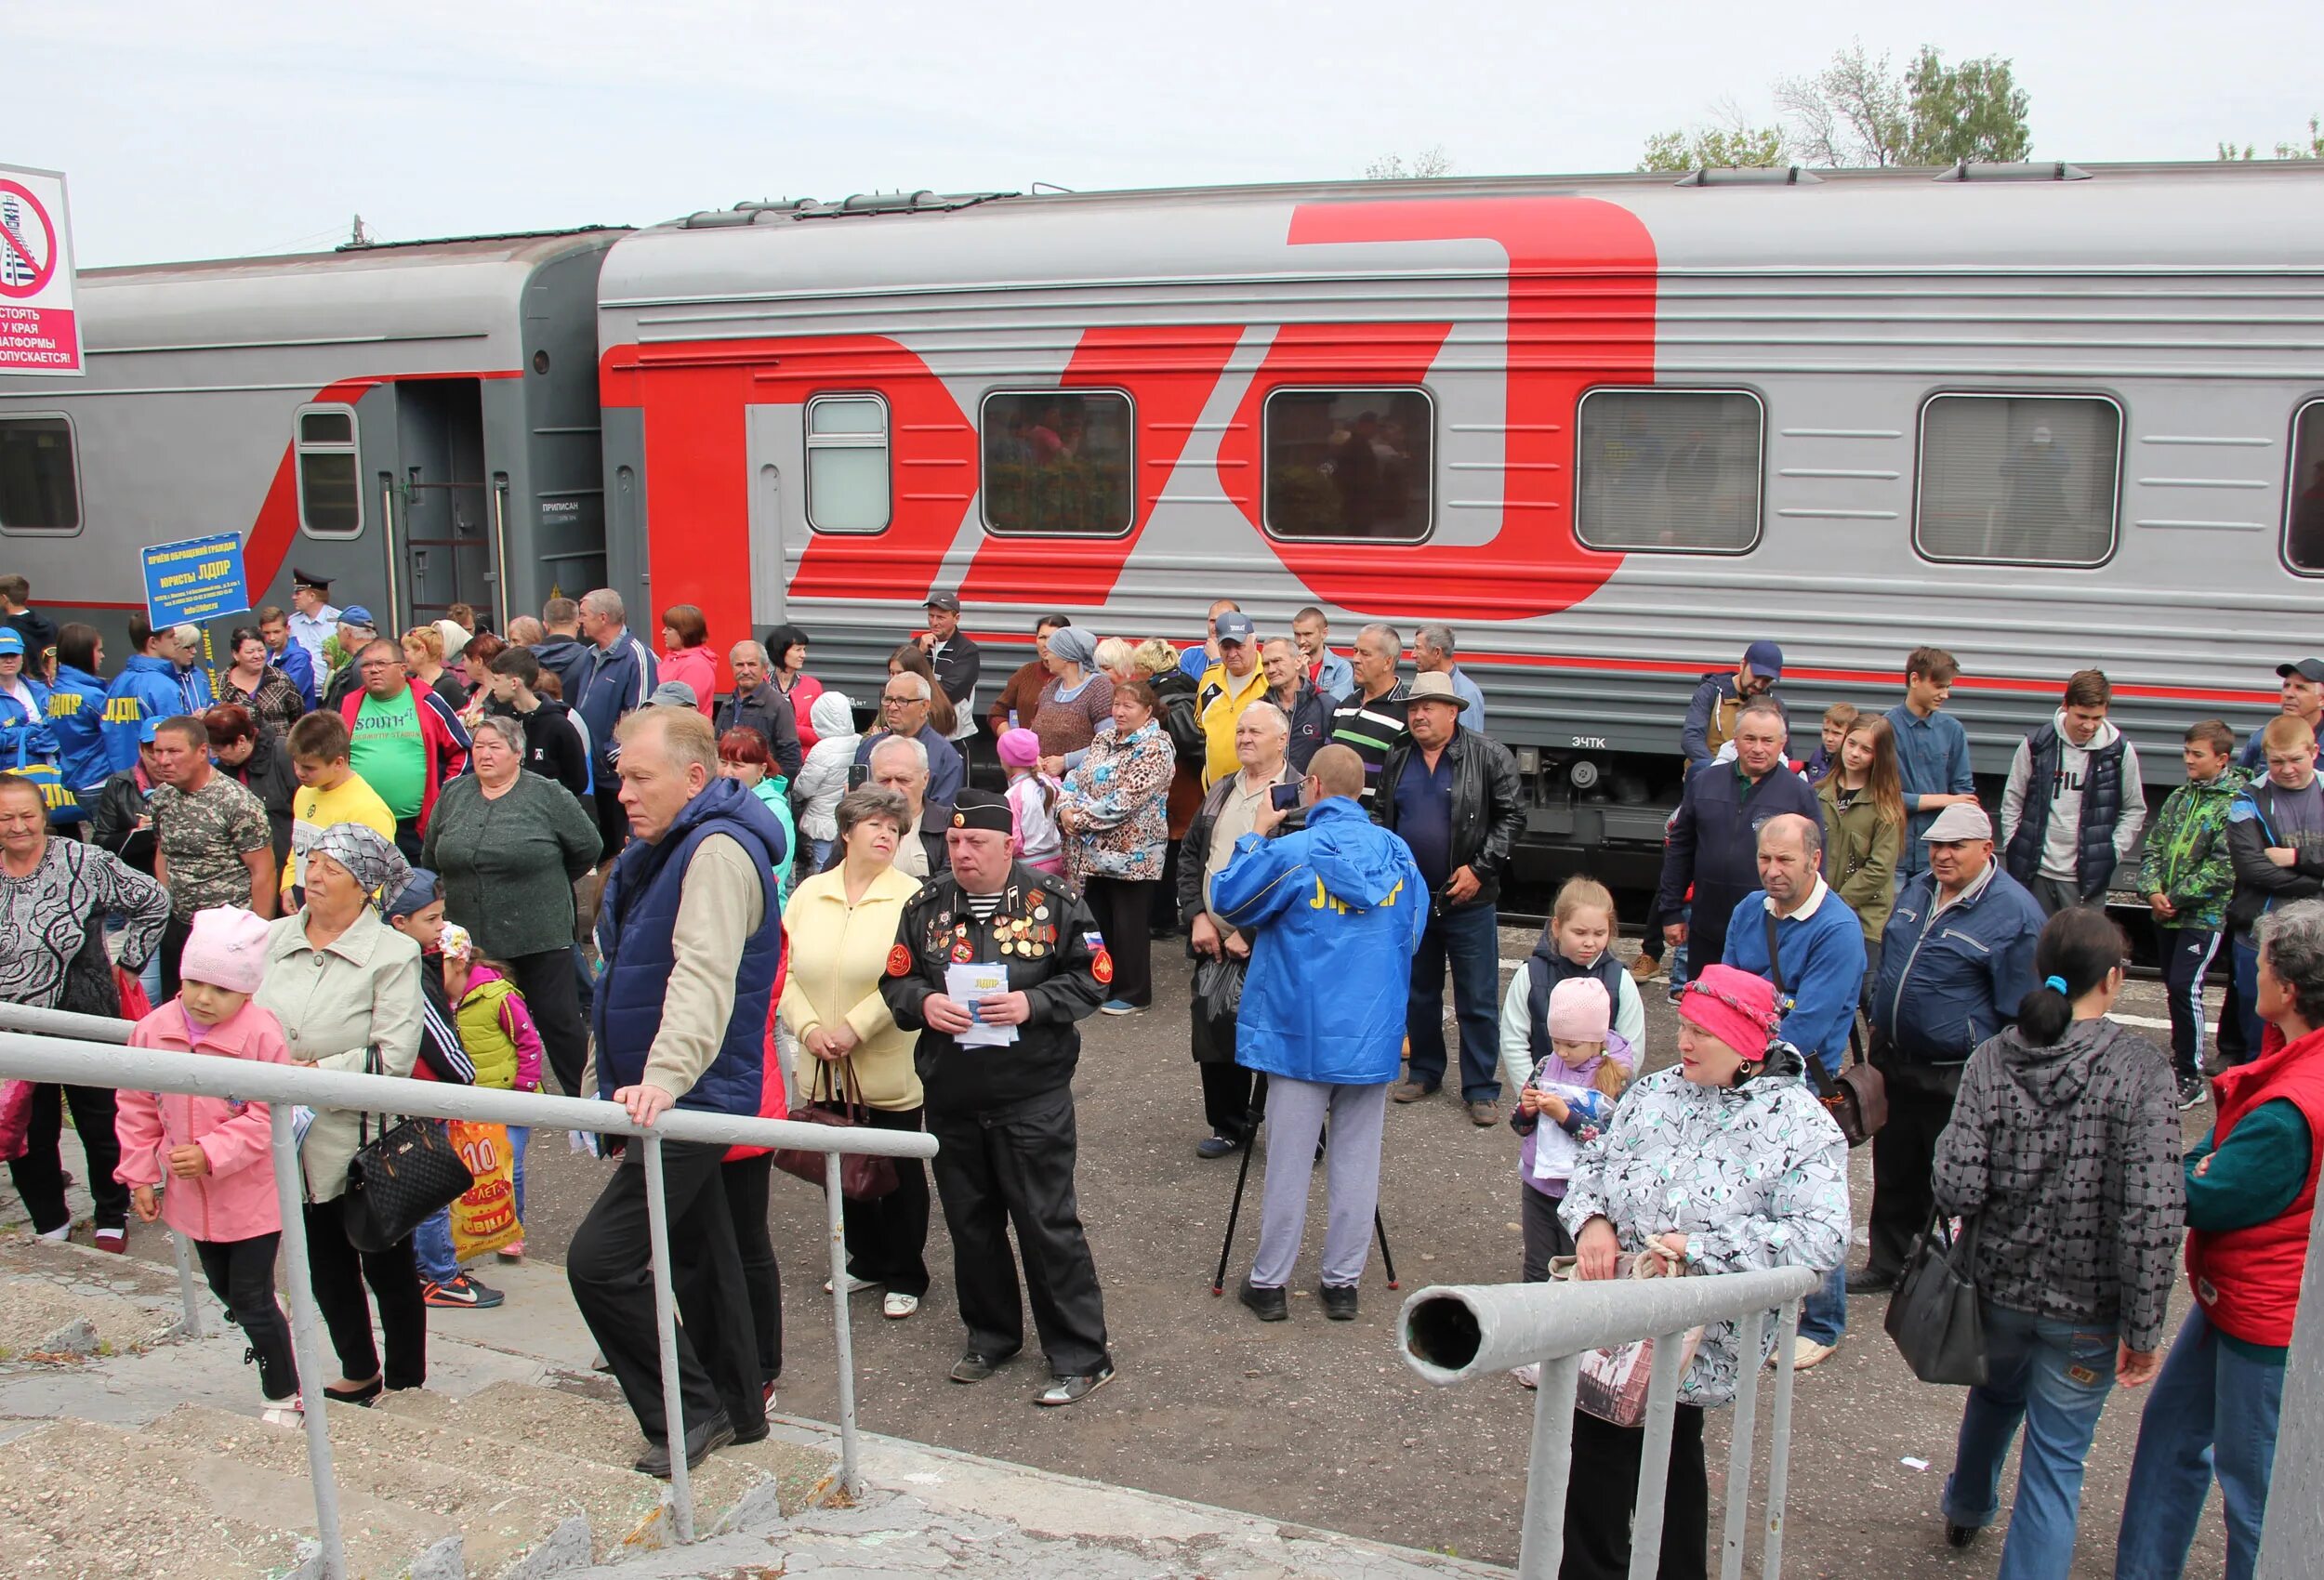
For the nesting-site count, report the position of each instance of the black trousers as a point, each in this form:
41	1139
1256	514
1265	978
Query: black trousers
39	1174
1230	1100
241	1272
338	1273
1601	1500
746	1181
1124	908
887	1238
1014	1167
1545	1233
552	991
407	840
173	950
2188	954
2231	1045
613	818
608	1268
1920	1106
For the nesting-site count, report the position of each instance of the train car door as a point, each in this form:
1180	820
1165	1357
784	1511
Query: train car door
773	432
443	545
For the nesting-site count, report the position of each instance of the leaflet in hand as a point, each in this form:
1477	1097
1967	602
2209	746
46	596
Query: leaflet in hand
966	985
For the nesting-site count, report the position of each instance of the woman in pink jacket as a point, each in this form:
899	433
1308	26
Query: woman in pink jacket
212	1154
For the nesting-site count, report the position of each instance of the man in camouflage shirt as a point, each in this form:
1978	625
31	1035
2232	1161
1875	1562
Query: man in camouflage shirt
212	846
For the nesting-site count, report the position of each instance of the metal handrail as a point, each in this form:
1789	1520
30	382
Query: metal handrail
1454	1333
88	1050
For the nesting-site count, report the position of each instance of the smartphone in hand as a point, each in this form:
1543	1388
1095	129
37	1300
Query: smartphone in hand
1284	798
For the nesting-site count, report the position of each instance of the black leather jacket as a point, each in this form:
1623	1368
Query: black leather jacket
1488	805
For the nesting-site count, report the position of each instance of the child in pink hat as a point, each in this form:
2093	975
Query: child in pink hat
1033	798
212	1158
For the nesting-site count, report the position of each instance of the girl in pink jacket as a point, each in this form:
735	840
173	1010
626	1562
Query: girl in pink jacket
211	1155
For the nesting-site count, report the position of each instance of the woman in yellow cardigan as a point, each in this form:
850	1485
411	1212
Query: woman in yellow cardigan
842	924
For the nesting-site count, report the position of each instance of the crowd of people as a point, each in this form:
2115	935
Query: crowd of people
559	855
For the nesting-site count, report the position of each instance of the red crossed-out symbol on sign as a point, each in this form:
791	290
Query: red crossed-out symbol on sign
25	269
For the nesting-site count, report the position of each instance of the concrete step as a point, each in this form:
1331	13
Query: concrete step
523	1508
40	1317
733	1486
98	1504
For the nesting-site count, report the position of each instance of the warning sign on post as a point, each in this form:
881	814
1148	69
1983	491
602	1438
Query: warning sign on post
38	331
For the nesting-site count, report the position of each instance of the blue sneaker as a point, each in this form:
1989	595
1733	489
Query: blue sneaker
1121	1007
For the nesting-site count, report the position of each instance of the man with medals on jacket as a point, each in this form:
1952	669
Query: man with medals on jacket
994	963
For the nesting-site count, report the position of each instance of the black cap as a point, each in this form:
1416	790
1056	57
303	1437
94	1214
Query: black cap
981	808
302	579
948	603
2309	670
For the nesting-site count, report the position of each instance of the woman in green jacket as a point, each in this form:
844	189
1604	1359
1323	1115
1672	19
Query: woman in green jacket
1864	829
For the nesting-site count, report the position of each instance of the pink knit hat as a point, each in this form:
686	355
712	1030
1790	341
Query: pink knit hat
1734	1006
1579	1011
227	948
1020	748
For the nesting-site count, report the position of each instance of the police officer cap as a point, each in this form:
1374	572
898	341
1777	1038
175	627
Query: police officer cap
981	808
308	579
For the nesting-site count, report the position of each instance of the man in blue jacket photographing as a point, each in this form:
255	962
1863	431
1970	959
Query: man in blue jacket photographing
1339	901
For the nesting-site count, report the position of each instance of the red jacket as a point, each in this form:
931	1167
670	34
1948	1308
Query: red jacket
2249	1279
441	732
773	1101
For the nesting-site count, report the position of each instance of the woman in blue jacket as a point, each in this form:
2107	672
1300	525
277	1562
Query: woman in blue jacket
76	711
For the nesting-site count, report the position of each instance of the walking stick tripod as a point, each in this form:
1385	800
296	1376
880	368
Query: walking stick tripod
1235	1212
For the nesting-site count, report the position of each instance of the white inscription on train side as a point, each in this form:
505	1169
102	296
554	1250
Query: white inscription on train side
1591	742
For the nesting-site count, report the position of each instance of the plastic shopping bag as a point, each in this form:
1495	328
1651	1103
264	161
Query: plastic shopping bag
485	1218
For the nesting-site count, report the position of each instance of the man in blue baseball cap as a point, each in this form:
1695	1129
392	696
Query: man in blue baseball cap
354	629
1711	717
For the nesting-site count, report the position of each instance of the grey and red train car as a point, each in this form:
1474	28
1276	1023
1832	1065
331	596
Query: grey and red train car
1611	429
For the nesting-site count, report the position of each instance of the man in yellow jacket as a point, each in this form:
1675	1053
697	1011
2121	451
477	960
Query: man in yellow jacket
1226	689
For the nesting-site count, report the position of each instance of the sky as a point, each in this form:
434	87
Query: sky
239	127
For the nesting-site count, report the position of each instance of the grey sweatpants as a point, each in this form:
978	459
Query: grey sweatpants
1295	1117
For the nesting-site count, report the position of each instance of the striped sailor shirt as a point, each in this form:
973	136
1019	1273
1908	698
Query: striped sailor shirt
1371	727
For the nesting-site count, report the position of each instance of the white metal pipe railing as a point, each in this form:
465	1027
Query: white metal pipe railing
1453	1333
86	1050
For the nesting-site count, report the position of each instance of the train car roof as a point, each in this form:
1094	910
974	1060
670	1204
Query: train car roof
2222	216
415	291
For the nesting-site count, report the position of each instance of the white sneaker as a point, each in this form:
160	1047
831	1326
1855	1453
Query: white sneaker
854	1285
1806	1352
895	1308
288	1412
1528	1375
58	1235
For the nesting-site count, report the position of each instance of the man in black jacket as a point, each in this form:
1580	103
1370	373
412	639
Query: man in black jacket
1713	843
1454	796
999	1073
1306	711
957	662
756	704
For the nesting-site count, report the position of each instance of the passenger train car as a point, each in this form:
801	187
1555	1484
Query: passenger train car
418	422
1610	429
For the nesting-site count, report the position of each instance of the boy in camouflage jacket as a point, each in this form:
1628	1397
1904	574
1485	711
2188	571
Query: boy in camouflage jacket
2186	877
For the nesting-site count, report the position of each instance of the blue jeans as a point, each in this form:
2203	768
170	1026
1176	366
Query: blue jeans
2054	1378
1823	1314
2247	958
1468	937
2213	1412
432	1240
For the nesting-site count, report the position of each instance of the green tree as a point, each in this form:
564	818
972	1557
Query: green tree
2311	148
1730	142
1427	164
1974	110
1854	112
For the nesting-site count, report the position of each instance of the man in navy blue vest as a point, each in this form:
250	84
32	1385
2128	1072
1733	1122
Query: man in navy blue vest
997	1068
691	937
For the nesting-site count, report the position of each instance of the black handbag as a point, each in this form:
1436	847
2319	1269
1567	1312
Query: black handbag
401	1180
1934	1316
1857	1097
835	1098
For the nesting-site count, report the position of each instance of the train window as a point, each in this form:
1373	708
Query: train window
2025	480
1058	463
1351	465
40	487
330	488
846	464
1677	470
2304	511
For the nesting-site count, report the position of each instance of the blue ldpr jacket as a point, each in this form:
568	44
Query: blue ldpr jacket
637	925
77	717
146	688
1337	909
1951	979
26	734
1822	956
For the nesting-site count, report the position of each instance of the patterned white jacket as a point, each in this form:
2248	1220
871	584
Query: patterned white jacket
1755	1177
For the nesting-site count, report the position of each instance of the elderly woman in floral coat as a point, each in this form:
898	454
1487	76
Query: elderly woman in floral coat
1723	1162
1112	810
